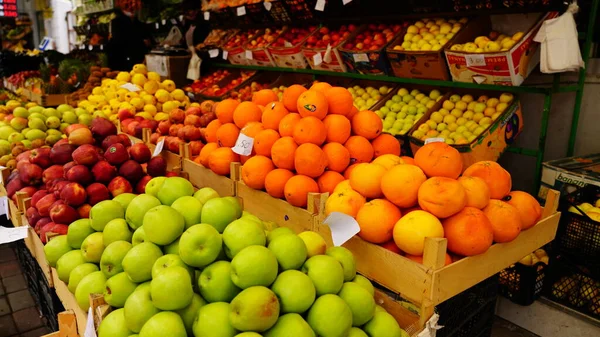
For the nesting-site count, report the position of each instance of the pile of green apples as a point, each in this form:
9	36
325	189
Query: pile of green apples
366	98
404	109
178	262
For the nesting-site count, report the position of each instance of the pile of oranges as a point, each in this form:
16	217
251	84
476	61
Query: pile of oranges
306	143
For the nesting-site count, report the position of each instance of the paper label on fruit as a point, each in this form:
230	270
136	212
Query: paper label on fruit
213	53
225	54
343	227
361	57
243	145
268	5
90	330
130	87
474	60
317	59
8	235
320	6
206	16
241	10
159	147
434	140
4	208
249	54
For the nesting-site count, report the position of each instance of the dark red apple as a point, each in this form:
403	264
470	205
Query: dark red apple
104	172
62	154
140	187
116	154
140	153
119	185
37	196
33	216
41	223
68	166
80	174
86	154
23	156
51	173
41	157
13	186
97	192
30	174
132	171
124	114
63	213
44	204
171	174
73	194
102	128
110	140
125	140
157	166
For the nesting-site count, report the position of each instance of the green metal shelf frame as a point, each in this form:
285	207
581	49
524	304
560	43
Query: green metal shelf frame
547	91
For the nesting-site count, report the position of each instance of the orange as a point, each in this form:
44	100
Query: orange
283	153
245	113
310	160
505	220
478	193
287	123
469	232
225	109
401	184
529	208
439	160
309	130
345	201
255	170
338	128
227	135
219	160
494	175
273	114
275	182
252	129
313	103
340	100
290	97
338	157
388	161
391	246
377	219
386	144
264	97
321	87
412	229
408	160
360	149
297	188
263	142
328	181
366	179
349	170
202	158
442	197
353	112
211	131
367	124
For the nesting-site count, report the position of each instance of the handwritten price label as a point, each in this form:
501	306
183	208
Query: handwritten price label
243	145
241	11
475	60
317	59
225	54
159	147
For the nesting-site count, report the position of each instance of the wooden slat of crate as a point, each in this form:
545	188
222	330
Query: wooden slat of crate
67	325
201	176
69	302
407	320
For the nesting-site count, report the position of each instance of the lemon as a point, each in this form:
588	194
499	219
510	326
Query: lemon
179	95
151	87
170	106
162	95
169	85
149	108
123	77
137	103
161	116
139	80
140	69
144	115
152	76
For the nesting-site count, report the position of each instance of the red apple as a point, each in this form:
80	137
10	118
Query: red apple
41	223
37	196
110	140
41	157
157	166
80	174
13	186
140	153
140	187
119	185
171	174
73	194
163	127
116	154
84	210
33	216
74	127
57	187
125	140
51	173
97	192
131	127
67	167
63	214
131	170
43	205
125	114
104	172
62	154
154	138
30	174
86	154
195	111
102	128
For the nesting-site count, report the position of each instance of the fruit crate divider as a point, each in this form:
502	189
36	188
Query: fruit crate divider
201	176
173	159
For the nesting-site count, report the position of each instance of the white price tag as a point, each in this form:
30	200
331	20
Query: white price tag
434	140
343	227
243	145
241	11
225	54
173	21
361	57
320	6
474	60
181	18
327	56
90	47
317	59
101	47
345	2
130	87
213	53
8	235
249	55
159	147
90	330
268	5
164	22
4	208
206	16
157	25
81	46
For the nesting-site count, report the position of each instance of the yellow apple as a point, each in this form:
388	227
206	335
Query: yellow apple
470	47
506	97
412	29
492	46
518	36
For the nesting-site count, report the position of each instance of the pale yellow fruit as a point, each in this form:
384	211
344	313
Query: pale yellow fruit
506	98
492	47
97	91
152	76
151	87
162	96
139	80
412	29
137	103
169	85
149	99
140	69
123	77
170	106
178	95
518	36
161	116
149	108
144	115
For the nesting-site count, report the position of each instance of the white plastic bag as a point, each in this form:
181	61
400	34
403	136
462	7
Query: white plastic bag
174	37
560	45
193	72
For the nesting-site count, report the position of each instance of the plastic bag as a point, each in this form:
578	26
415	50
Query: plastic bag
193	72
560	45
173	38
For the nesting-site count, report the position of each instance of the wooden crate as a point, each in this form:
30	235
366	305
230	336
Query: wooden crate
279	211
67	325
432	283
69	302
201	176
173	160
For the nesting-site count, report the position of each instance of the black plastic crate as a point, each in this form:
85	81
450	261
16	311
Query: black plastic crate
574	285
470	313
578	235
522	284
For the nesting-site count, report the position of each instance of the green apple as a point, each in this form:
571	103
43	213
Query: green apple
200	245
240	234
289	250
78	231
138	237
346	259
154	185
69	117
248	216
254	266
164	323
174	188
360	301
290	322
117	290
139	307
139	260
124	199
163	225
190	208
172	248
379	308
112	258
278	232
215	283
330	316
295	290
248	334
55	248
236	203
326	273
213	321
205	194
384	324
67	263
219	213
92	283
78	273
114	325
167	261
104	211
172	289
188	314
356	332
365	283
315	244
254	309
116	230
92	247
137	209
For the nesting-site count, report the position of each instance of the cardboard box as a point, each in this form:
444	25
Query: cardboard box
568	174
504	67
260	56
368	62
491	143
236	55
290	57
336	64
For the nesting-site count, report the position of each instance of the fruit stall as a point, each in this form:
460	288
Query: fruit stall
325	174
